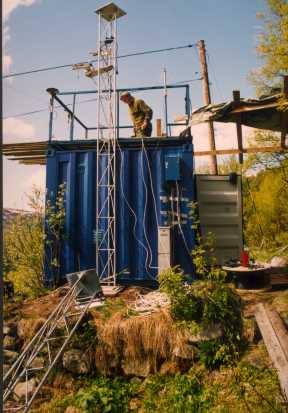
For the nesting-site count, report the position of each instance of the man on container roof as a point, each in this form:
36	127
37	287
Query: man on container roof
140	113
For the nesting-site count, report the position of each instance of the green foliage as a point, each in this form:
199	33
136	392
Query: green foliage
104	395
202	304
182	393
23	248
243	388
184	307
55	225
266	210
25	239
256	388
272	47
206	302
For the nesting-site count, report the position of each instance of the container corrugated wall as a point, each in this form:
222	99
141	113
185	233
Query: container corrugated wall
142	205
220	211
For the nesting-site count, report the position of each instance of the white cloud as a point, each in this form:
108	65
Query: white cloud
7	62
37	178
225	138
8	6
17	130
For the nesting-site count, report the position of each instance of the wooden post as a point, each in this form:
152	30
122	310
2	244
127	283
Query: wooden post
236	98
284	114
207	101
158	128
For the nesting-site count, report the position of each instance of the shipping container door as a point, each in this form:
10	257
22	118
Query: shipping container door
219	201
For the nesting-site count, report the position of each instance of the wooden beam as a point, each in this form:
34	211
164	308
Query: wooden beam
255	149
284	114
280	328
207	101
274	346
158	128
236	99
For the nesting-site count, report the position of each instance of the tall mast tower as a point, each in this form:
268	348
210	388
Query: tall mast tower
106	142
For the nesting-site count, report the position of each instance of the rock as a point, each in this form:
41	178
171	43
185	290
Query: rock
6	368
184	351
135	380
9	343
209	333
136	367
169	368
251	331
135	404
76	362
10	356
26	329
38	363
63	380
72	409
20	389
10	329
279	262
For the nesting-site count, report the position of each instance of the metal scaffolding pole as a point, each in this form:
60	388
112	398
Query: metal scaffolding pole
106	145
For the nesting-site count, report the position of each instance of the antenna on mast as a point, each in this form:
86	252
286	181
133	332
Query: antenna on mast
106	148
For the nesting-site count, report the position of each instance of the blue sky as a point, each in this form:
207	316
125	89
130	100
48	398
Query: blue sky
40	33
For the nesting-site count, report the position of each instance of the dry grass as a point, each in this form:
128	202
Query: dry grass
148	338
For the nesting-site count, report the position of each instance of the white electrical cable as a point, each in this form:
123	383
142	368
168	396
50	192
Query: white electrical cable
129	206
179	219
153	195
145	207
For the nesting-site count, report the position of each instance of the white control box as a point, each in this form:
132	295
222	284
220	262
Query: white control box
164	248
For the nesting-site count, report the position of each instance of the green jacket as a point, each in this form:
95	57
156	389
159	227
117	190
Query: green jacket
139	111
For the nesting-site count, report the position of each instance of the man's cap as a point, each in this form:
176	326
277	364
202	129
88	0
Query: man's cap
125	94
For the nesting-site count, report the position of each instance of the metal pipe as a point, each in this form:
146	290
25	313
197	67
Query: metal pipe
72	118
51	118
97	152
69	111
115	133
187	104
131	89
165	101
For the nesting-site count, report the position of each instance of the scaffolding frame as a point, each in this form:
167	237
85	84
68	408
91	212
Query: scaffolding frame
105	230
48	345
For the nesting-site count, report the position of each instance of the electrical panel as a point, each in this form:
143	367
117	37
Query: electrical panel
164	248
172	168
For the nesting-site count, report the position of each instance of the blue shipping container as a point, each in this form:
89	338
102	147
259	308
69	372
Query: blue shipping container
171	168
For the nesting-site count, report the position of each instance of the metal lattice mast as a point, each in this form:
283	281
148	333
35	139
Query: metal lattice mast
106	144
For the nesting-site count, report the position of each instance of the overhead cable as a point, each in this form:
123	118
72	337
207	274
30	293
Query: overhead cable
45	69
19	115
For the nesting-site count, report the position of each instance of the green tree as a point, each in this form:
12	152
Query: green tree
272	47
25	240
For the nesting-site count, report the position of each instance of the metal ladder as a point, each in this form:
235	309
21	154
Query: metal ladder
49	343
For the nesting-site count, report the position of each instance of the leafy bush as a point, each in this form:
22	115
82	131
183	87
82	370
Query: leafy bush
104	395
25	240
206	302
55	230
182	393
202	304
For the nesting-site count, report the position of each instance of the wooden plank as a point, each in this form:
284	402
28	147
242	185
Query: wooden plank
111	291
273	346
279	329
158	128
284	115
236	99
244	150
